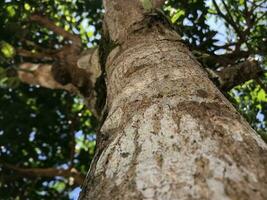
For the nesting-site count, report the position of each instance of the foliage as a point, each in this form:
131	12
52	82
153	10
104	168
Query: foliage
40	128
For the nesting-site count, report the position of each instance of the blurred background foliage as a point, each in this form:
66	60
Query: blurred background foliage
42	128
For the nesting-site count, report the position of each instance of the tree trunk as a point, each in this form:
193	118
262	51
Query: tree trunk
169	134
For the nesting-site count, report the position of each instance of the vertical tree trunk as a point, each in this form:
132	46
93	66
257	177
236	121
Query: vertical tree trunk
169	133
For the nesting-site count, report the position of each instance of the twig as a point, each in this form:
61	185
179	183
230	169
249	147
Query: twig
228	20
226	46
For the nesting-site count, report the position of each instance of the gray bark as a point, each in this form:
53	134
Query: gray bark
169	134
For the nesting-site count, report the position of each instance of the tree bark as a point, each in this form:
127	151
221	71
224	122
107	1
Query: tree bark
170	133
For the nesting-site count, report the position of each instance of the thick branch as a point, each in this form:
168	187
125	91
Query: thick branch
47	172
234	75
41	74
212	60
80	79
69	71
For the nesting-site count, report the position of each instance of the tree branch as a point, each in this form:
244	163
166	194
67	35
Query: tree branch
46	22
225	46
234	75
255	5
38	55
212	60
84	73
229	13
47	172
41	74
33	45
229	19
67	69
71	70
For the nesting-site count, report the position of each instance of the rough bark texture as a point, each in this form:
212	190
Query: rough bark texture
169	134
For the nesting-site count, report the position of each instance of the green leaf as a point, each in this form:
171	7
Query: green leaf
241	2
178	15
27	6
3	82
59	186
9	82
7	50
11	11
90	33
262	95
